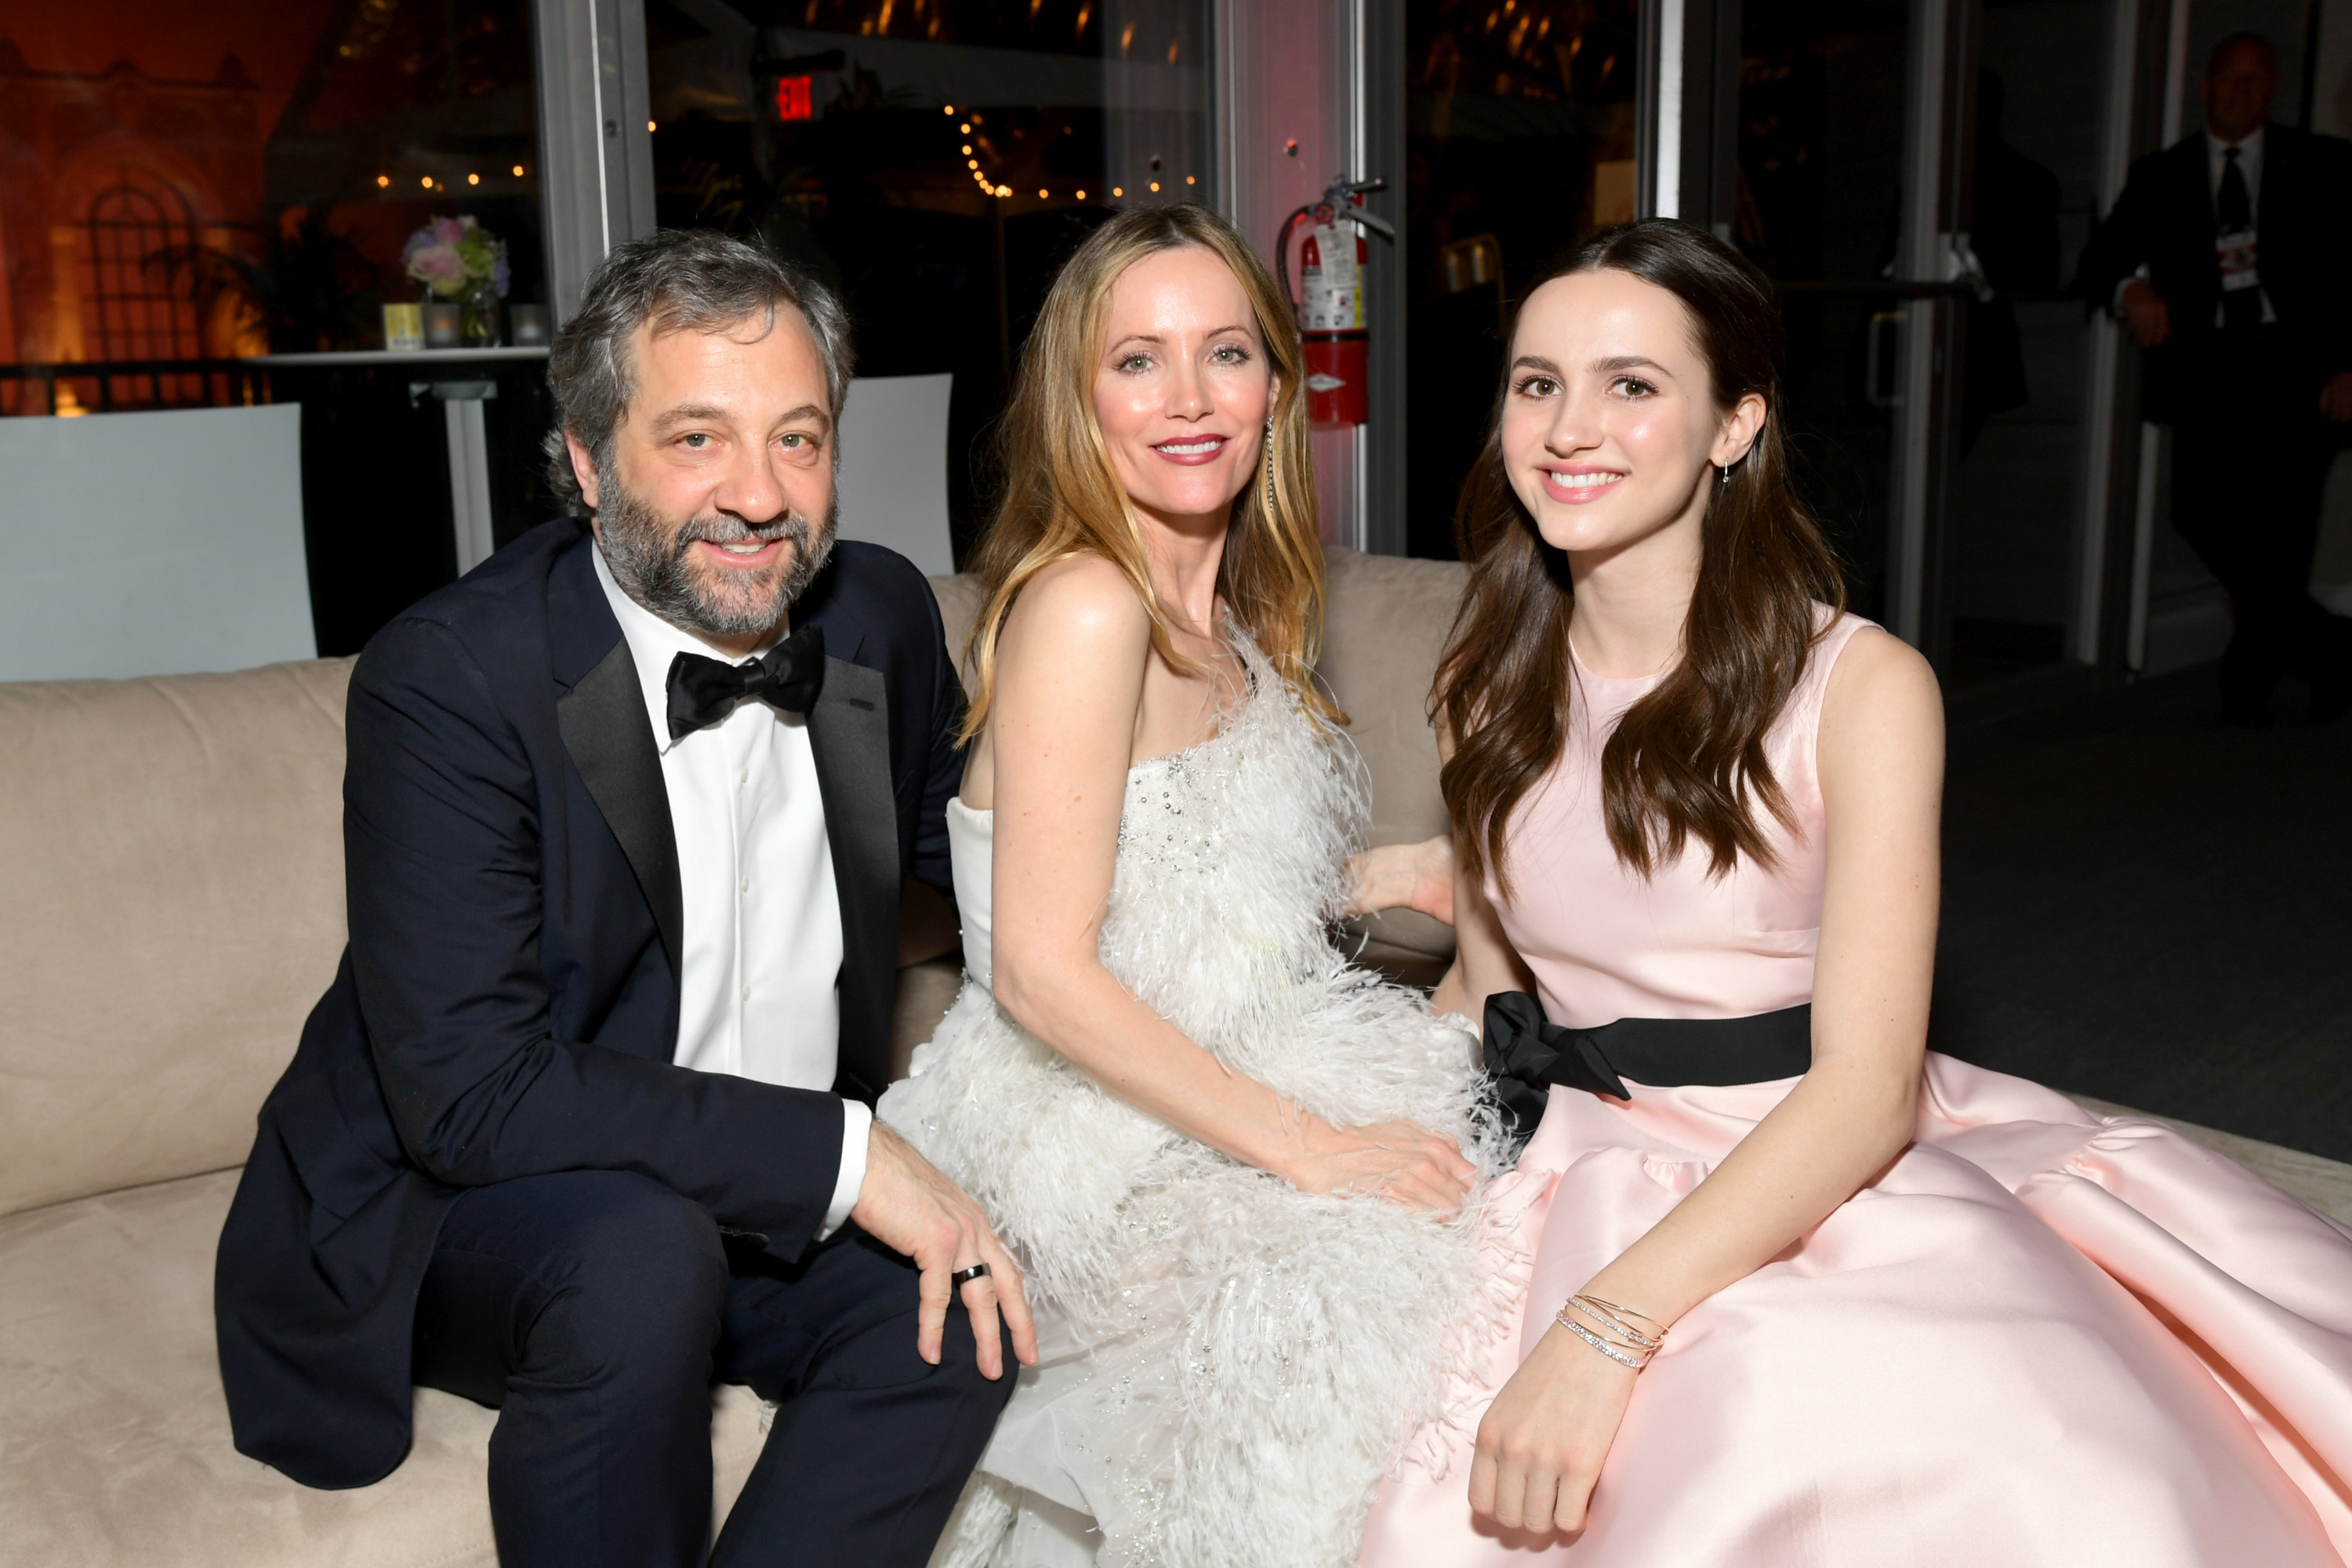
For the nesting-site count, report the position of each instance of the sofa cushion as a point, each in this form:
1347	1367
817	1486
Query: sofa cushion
1384	625
171	904
115	1446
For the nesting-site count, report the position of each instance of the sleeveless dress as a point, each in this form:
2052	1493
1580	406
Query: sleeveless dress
2041	1338
1229	1364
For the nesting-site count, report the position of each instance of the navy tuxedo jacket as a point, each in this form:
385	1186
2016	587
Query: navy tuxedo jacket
2165	221
508	1005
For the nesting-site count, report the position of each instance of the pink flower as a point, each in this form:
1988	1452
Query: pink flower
450	230
436	262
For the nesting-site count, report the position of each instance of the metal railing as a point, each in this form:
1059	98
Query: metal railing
118	385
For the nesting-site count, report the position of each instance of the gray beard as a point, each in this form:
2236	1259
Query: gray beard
651	564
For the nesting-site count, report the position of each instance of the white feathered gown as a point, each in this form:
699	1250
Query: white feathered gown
1228	1363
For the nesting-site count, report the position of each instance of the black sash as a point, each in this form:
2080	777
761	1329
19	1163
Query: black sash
1527	1053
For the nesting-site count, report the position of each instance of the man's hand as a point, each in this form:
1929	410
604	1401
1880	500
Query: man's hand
2150	318
907	1205
2335	398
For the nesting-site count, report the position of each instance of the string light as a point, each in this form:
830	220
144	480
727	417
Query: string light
1041	195
427	182
382	180
1082	195
1189	180
1155	184
472	179
517	171
1117	191
947	109
649	125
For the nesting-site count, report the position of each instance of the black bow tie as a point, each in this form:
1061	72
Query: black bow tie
703	691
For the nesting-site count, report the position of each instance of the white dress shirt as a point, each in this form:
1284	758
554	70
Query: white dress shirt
2250	163
759	996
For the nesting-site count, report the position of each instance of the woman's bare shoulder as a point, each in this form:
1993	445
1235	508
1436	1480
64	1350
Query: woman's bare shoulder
1880	677
1882	717
1084	601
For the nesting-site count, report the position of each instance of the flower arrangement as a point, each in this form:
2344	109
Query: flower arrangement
456	257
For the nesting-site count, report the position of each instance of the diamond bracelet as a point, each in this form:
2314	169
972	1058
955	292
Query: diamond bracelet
1597	1343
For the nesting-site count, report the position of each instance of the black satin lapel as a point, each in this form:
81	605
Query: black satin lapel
602	718
849	732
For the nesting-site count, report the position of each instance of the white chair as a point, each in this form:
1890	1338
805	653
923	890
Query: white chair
153	544
894	467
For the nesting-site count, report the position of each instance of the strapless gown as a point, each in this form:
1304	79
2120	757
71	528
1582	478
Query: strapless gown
1229	1364
2042	1338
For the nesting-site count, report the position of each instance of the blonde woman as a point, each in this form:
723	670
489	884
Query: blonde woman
1240	1174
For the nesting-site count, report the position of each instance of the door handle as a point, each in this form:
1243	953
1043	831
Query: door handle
1877	358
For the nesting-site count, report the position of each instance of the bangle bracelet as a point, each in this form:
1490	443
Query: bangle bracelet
1612	1323
1597	1343
1616	1311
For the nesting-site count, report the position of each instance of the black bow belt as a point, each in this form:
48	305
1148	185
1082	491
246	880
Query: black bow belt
1527	1053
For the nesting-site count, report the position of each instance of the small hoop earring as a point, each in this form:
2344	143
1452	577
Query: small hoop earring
1269	468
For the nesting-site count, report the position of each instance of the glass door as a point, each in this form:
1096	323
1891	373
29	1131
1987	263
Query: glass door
1520	141
1823	115
935	160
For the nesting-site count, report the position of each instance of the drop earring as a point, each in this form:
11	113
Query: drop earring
1269	468
1723	473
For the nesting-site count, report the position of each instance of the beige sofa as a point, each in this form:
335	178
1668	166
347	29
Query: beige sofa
171	906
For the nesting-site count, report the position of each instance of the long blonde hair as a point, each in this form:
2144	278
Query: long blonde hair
1061	498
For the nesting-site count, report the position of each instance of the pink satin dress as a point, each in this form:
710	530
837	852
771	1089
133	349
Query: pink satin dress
2042	1338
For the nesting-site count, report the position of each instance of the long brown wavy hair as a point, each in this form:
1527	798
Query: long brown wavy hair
1688	762
1060	496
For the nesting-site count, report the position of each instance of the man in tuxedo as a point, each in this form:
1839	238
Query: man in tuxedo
582	1124
2229	254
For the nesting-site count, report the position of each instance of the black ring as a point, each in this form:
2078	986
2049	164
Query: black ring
964	1277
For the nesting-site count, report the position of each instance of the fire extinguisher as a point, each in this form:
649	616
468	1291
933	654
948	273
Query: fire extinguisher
1331	315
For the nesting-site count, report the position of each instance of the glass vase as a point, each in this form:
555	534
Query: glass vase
482	319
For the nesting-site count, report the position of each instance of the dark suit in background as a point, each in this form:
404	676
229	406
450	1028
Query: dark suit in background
490	1074
2250	448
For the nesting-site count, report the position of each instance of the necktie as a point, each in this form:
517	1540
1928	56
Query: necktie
2234	206
704	691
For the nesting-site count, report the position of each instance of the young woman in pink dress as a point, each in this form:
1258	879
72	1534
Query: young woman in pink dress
1796	1290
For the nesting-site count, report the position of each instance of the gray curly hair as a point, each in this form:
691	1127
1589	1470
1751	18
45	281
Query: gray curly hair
681	280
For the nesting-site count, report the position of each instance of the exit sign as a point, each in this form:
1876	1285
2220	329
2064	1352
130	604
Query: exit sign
793	98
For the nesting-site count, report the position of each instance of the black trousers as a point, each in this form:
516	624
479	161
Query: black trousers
2250	459
595	1309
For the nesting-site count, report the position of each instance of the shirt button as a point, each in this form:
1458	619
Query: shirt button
747	993
746	884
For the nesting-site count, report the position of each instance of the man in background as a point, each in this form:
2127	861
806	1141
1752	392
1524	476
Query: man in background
2228	254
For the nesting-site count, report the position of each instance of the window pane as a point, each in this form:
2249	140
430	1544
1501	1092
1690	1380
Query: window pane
191	181
1519	141
183	186
933	159
1820	147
